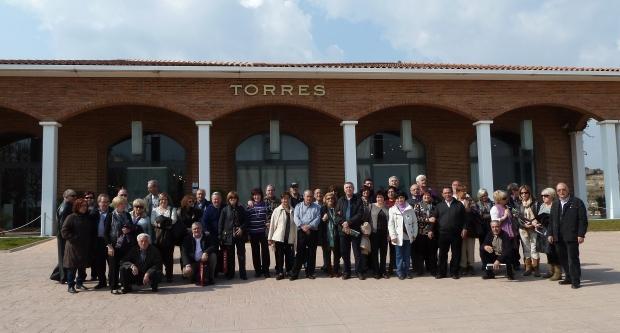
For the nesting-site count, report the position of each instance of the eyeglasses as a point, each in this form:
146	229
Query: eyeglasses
525	192
88	198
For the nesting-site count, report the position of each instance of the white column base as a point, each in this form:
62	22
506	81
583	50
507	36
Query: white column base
204	155
49	172
485	158
350	151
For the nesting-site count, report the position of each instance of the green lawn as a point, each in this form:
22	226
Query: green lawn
604	225
7	243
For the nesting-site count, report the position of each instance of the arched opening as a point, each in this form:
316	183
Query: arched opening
511	163
162	158
20	179
380	156
257	166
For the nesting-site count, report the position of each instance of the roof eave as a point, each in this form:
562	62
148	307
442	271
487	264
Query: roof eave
243	72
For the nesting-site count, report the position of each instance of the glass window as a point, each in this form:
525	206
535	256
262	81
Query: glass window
511	164
257	167
163	159
380	156
20	180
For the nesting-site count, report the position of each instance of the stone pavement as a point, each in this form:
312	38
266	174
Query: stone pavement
30	302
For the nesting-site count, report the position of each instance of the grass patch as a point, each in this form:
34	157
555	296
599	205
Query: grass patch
604	225
7	243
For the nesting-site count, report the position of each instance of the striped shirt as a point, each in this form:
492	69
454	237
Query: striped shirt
257	217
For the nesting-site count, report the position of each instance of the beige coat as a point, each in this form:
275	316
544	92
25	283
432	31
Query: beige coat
277	227
396	221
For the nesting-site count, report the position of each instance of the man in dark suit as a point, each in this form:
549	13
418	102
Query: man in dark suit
65	209
349	213
199	252
497	250
152	199
567	229
141	265
100	218
450	216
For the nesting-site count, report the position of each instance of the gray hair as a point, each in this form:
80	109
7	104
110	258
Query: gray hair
216	194
419	178
152	182
198	224
482	192
549	191
69	192
308	192
143	235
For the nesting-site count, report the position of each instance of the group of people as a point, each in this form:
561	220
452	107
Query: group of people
418	228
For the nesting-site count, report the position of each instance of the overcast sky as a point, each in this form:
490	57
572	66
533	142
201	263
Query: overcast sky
537	32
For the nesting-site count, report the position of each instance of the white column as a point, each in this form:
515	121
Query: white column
485	159
610	167
579	167
204	156
350	151
49	171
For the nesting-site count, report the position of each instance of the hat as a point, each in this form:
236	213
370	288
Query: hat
293	184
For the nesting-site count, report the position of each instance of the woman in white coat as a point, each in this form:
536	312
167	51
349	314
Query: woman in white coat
403	229
282	235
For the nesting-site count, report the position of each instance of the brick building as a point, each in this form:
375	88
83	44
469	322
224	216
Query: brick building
98	125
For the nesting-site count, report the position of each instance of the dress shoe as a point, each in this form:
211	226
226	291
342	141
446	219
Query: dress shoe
244	277
169	279
311	276
280	276
345	276
410	276
511	277
488	276
72	290
386	276
267	275
100	286
401	277
565	282
377	276
576	286
155	289
439	276
456	276
361	276
292	277
125	291
81	286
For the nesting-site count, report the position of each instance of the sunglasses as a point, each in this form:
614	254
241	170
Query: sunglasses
544	195
136	207
88	198
525	192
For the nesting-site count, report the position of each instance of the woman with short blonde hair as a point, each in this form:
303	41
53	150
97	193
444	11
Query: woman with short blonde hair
138	216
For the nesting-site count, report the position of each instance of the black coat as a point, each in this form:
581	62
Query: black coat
570	224
357	211
152	263
94	217
79	234
113	225
230	219
208	243
506	245
450	220
64	210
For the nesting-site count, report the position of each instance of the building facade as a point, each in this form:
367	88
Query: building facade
100	125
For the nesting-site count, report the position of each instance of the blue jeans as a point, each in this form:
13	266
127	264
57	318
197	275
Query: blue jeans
71	272
403	256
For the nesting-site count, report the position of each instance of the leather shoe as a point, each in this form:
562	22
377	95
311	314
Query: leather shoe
439	276
456	276
292	278
345	276
81	286
100	286
564	282
72	290
311	277
576	286
280	276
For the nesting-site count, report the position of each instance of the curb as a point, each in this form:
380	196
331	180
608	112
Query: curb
23	247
